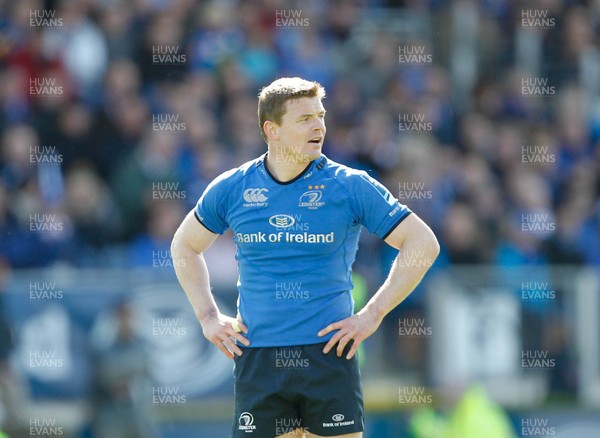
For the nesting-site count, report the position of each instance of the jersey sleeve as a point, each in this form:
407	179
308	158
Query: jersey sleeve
376	208
210	209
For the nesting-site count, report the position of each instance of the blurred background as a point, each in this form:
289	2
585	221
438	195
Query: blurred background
483	116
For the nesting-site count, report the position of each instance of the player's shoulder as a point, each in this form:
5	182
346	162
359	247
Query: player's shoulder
355	182
345	174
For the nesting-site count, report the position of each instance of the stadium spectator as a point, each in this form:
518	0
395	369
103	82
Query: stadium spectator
122	383
486	156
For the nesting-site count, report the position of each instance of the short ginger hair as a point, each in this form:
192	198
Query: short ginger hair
273	97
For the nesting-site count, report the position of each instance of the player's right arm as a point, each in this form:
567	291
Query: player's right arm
189	243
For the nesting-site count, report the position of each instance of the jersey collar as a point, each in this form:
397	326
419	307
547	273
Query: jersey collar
318	164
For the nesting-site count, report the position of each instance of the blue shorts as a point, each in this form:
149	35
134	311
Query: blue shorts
279	390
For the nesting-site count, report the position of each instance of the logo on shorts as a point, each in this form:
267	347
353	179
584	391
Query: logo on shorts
255	197
246	422
338	421
282	221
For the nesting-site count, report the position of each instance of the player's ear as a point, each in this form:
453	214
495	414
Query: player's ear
271	130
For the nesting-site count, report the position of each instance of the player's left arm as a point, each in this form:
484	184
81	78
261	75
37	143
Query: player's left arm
418	249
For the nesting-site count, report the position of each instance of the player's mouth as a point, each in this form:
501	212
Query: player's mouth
316	141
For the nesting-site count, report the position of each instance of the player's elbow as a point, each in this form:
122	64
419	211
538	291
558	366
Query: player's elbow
180	251
430	244
184	245
177	243
433	246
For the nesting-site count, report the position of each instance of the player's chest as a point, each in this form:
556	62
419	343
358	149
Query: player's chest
314	213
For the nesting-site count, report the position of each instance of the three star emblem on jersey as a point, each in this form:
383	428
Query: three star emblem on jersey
255	197
312	198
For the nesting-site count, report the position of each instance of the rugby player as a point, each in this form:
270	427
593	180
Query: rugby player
296	217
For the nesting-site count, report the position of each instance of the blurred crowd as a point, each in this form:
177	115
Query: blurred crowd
483	116
115	115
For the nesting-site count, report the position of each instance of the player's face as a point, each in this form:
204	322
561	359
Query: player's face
302	129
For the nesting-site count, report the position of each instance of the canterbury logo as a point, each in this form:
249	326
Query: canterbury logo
255	195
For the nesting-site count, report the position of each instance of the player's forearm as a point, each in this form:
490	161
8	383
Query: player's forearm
192	274
413	261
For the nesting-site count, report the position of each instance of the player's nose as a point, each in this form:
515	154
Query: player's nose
319	125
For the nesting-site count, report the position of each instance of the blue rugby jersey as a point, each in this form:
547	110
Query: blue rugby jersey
296	242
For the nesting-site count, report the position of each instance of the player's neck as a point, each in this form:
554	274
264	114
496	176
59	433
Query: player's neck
282	168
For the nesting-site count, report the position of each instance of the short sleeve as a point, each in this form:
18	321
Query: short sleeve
210	209
376	208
